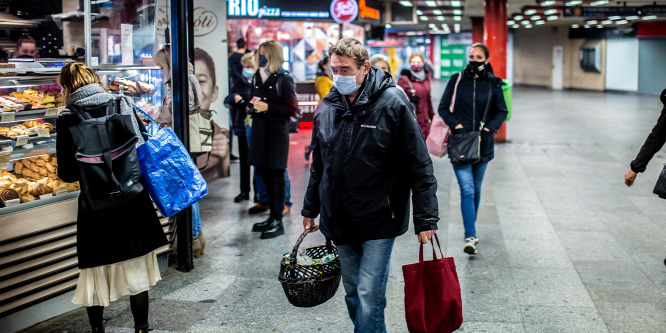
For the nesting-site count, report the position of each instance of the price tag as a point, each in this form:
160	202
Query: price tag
52	112
12	202
8	116
21	140
43	133
4	159
61	191
47	195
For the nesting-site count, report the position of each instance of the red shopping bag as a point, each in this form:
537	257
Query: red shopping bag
436	140
433	303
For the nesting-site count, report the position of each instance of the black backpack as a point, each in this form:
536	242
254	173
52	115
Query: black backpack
106	154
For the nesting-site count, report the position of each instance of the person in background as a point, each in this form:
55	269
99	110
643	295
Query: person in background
237	100
382	62
273	103
463	117
235	76
115	246
416	84
26	47
652	145
360	185
323	84
164	116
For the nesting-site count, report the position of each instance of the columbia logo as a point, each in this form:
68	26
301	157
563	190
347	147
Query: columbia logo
368	126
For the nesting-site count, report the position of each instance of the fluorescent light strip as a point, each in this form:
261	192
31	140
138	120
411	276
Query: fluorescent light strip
633	17
407	3
599	3
529	12
457	18
621	22
440	18
518	17
431	3
437	12
419	12
574	2
547	3
649	17
457	12
515	26
592	22
535	18
553	18
510	22
456	3
550	12
423	18
575	26
614	18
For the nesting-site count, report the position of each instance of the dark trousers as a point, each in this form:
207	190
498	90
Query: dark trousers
243	151
276	187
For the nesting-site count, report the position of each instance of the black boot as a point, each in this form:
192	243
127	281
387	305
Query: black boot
141	328
98	329
274	230
242	196
262	226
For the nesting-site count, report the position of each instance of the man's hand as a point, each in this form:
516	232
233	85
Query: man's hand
629	178
458	127
486	129
309	223
260	106
424	236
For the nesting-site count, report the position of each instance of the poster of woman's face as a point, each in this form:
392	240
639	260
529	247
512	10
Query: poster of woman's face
205	73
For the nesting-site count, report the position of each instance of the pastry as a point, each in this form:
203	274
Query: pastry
8	194
19	127
40	162
27	198
44	172
34	167
48	126
8	108
18	167
6	183
50	167
71	187
20	188
62	186
31	123
47	157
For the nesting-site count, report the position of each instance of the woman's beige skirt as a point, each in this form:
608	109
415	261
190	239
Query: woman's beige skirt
101	285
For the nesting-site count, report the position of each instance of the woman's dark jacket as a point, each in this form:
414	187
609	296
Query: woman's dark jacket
244	89
269	143
112	235
366	158
654	141
473	92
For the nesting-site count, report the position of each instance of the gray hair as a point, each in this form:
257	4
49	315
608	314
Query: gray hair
351	48
380	57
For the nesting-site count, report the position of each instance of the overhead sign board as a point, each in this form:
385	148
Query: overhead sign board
342	11
606	11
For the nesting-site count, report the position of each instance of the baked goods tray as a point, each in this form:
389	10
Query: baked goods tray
32	114
39	202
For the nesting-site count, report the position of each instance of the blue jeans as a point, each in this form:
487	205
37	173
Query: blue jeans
260	186
196	219
365	268
470	179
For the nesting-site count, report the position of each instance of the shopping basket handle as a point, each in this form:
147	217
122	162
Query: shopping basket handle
294	251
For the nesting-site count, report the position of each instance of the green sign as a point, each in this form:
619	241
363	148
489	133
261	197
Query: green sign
452	58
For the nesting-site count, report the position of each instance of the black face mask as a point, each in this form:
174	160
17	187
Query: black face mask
477	66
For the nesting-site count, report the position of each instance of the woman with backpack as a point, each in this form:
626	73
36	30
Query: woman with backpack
116	245
273	102
416	83
473	101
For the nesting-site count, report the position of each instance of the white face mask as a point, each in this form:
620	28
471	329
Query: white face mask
346	85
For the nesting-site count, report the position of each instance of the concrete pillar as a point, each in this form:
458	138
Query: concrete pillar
495	37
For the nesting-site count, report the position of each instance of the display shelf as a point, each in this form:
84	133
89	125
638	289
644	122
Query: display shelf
39	202
25	115
37	150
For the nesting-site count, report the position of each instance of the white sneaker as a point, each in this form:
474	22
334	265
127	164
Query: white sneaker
470	245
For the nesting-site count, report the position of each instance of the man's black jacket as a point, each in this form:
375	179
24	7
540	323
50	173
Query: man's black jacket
654	141
366	158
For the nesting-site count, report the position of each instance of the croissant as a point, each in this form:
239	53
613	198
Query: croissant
27	198
31	123
20	188
6	184
48	126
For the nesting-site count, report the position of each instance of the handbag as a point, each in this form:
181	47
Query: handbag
170	176
200	127
465	148
436	141
660	187
433	302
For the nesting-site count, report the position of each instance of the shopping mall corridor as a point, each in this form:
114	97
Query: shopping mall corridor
564	245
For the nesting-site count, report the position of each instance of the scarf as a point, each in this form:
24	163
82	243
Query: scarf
420	75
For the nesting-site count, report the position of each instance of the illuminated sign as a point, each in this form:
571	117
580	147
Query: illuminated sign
365	11
252	8
344	11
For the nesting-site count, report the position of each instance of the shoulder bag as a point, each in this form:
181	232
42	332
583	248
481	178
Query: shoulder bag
465	148
660	187
201	127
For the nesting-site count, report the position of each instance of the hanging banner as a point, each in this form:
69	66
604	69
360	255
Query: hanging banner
211	69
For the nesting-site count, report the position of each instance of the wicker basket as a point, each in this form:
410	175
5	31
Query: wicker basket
310	285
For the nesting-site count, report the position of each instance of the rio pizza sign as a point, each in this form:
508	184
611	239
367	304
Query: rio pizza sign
342	11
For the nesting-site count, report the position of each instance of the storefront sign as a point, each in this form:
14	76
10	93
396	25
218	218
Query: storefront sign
205	21
344	11
605	11
367	12
272	9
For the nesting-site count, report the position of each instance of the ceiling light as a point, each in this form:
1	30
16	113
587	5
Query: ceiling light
457	18
456	3
407	3
575	26
432	25
437	12
528	26
423	18
419	12
649	17
606	22
518	17
387	25
592	22
540	22
600	26
550	12
440	18
431	4
614	18
535	18
621	22
530	12
587	26
633	17
515	26
599	3
574	2
553	17
457	12
510	22
547	3
525	22
456	25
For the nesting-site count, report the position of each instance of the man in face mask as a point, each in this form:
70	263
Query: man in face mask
368	153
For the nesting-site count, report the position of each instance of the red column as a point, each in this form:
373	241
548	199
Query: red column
495	37
477	30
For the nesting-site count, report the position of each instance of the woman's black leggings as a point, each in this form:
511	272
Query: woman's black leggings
277	190
138	304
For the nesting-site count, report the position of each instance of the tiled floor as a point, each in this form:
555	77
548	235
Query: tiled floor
565	246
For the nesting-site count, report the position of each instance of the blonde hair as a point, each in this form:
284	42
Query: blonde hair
273	53
351	48
74	76
416	54
248	59
163	59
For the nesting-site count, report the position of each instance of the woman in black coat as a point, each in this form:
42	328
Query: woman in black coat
475	90
116	246
273	102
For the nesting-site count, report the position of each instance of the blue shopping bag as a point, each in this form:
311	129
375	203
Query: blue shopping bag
170	176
